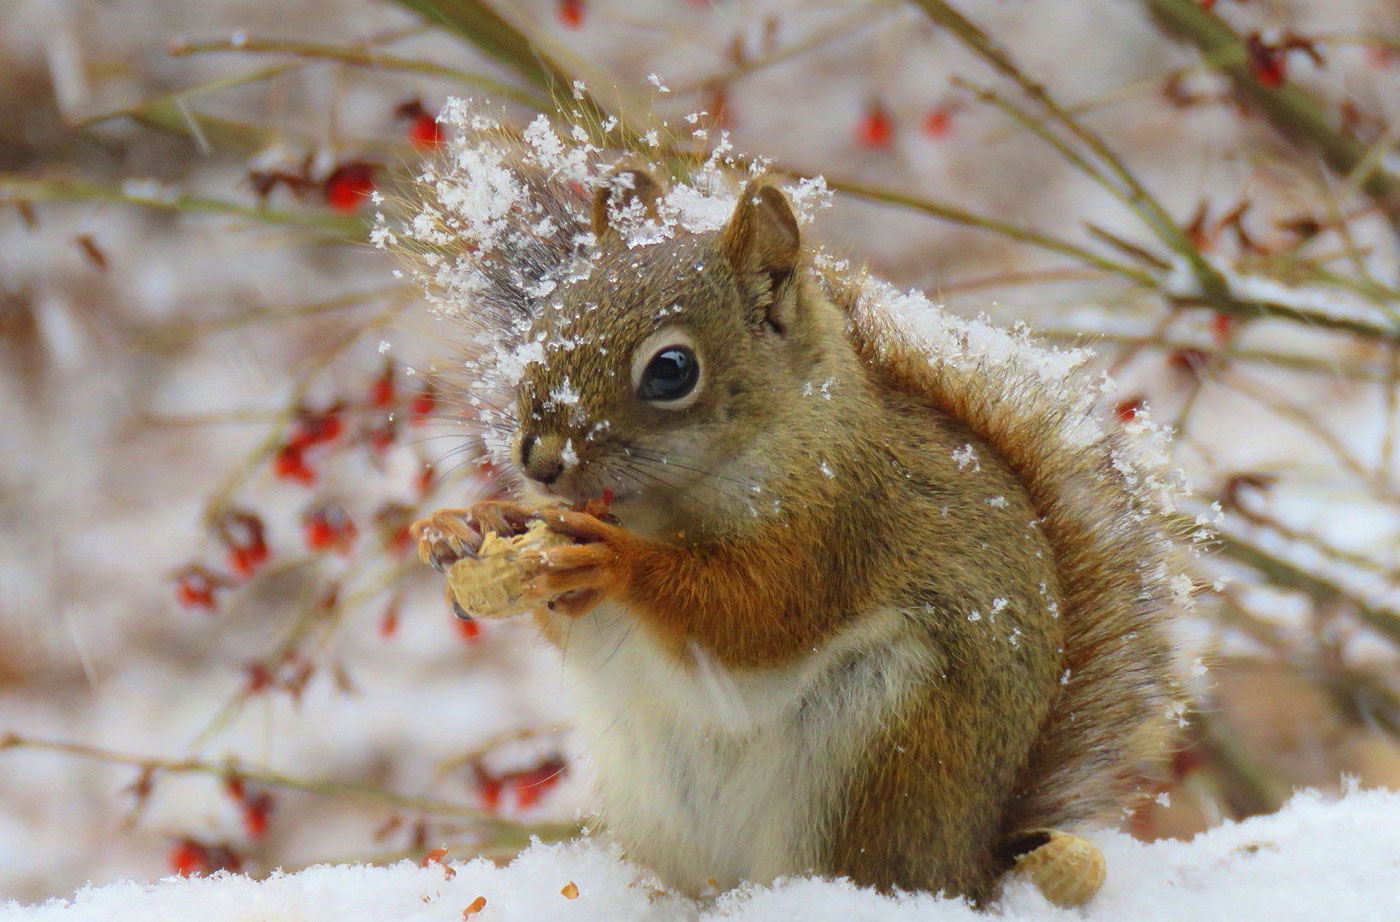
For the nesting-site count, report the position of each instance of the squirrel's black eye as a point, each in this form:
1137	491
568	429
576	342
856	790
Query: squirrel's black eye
670	375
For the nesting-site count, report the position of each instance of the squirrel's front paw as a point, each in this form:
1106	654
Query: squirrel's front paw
450	535
577	576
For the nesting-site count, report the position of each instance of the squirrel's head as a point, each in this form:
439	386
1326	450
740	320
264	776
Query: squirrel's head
659	371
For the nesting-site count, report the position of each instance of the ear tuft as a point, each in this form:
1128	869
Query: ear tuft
622	191
762	236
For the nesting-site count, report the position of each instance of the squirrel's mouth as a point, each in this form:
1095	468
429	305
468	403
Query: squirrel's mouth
578	488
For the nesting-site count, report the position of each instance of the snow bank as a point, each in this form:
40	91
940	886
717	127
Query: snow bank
1315	859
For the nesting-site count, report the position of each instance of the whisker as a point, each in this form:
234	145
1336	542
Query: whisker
658	458
658	477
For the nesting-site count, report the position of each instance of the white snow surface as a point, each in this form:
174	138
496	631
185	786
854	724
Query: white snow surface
1315	859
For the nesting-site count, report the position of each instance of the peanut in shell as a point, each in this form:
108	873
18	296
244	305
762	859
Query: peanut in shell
495	583
1067	870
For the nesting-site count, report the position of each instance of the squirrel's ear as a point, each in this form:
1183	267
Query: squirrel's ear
761	236
618	193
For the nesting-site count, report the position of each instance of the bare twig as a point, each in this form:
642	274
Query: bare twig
1289	108
359	57
324	787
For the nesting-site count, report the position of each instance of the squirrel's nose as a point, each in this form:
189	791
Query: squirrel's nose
542	457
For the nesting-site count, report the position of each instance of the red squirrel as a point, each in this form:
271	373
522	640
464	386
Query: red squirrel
855	609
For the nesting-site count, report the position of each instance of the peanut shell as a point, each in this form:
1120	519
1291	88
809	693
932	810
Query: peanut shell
494	584
1068	869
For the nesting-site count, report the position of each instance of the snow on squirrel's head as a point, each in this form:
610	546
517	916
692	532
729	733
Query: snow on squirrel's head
630	337
622	336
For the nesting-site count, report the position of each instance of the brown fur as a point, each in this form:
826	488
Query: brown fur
1024	719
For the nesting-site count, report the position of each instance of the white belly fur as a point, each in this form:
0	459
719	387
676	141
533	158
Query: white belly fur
706	772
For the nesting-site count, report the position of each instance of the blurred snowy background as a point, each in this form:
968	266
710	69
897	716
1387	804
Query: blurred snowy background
214	650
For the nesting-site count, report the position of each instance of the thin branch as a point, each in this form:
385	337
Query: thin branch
1281	573
324	787
1132	192
483	26
234	480
19	189
1251	789
1152	340
174	334
842	29
1289	108
357	57
955	215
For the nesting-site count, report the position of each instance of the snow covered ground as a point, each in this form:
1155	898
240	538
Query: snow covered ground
1315	859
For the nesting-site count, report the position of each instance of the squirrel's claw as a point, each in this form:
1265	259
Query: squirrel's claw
449	535
505	519
445	537
581	526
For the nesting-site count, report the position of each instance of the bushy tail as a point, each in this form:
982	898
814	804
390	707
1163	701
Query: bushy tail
1104	504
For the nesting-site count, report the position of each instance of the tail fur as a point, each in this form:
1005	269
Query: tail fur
1104	514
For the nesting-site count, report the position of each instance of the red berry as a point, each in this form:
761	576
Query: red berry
245	536
422	403
381	437
1125	411
1189	360
423	132
938	122
381	392
467	629
571	13
348	186
194	596
315	427
327	526
195	587
1265	62
245	560
488	789
289	464
1221	325
530	786
389	621
187	857
256	811
259	678
317	534
875	129
240	561
327	428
